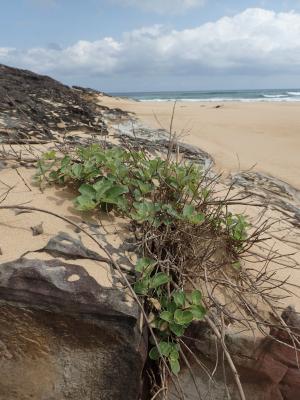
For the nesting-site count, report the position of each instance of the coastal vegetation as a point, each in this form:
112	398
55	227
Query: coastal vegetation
210	261
185	234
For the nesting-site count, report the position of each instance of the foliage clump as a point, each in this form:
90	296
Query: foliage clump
178	222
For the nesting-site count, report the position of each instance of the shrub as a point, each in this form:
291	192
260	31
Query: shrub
179	224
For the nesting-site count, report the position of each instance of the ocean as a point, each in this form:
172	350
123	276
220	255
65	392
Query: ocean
218	96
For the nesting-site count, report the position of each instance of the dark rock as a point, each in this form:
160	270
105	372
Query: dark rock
64	245
37	106
37	230
49	284
90	91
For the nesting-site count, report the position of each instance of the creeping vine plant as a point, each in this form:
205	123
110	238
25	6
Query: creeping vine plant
157	194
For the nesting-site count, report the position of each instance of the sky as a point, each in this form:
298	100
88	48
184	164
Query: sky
155	45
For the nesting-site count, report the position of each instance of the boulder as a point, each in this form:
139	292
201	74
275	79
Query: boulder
65	336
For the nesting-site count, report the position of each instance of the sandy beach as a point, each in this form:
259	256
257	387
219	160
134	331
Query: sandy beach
264	136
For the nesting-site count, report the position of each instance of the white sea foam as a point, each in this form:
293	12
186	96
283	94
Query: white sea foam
294	93
271	96
220	100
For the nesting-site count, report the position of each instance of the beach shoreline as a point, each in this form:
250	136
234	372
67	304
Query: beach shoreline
258	136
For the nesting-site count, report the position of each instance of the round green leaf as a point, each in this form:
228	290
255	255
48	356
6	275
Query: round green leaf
165	348
197	218
154	354
172	307
177	329
183	317
179	298
198	312
188	211
166	316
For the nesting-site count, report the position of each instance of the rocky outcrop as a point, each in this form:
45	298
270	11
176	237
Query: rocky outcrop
35	107
62	334
157	141
272	191
268	367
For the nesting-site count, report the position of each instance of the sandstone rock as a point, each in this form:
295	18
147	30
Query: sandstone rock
290	386
268	369
64	336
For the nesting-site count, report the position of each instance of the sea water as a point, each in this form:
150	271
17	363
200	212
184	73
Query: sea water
218	96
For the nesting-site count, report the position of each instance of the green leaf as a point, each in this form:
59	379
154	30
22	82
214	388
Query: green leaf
177	329
99	157
197	218
65	161
116	191
49	155
165	348
145	265
172	307
101	187
188	211
145	187
137	195
102	184
77	170
179	298
196	297
159	279
183	317
174	353
145	211
166	316
175	366
84	203
154	354
236	265
142	286
170	210
198	312
54	175
87	191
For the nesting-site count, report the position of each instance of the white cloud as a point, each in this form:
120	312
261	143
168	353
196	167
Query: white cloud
6	52
253	42
162	6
